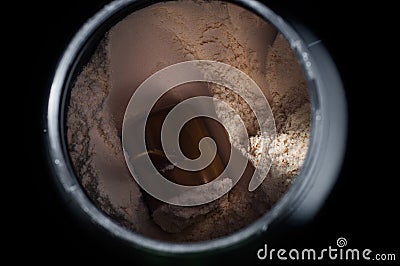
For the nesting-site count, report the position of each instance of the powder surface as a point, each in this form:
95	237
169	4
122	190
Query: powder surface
149	40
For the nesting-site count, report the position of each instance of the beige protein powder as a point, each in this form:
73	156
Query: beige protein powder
149	40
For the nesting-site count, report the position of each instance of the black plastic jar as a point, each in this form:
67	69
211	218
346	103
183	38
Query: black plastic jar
300	203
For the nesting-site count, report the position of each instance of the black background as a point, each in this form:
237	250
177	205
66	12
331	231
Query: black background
362	207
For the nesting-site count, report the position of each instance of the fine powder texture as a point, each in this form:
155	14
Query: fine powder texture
151	39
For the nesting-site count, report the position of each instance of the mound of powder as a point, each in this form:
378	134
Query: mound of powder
156	37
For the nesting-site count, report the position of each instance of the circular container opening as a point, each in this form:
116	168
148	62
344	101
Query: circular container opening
270	97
